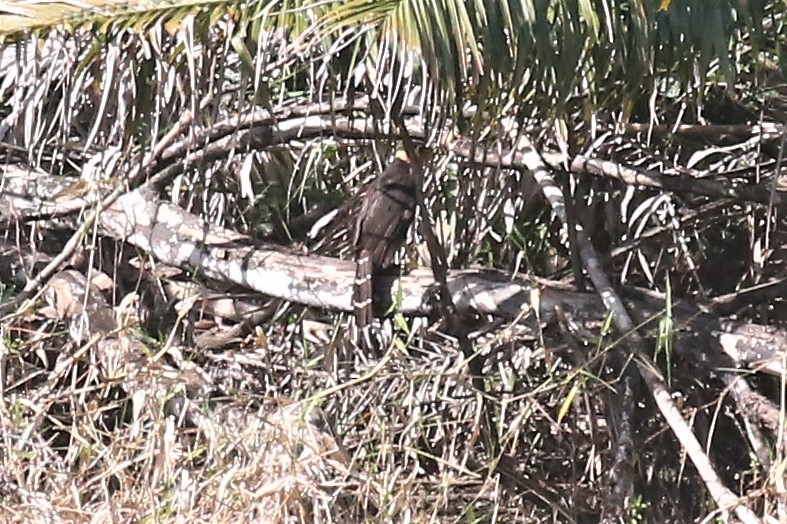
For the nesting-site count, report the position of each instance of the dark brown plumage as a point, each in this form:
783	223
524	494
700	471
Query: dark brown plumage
386	213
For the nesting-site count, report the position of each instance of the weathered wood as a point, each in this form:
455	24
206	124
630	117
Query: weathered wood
181	239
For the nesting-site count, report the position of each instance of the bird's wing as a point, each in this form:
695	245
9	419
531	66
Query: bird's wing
381	217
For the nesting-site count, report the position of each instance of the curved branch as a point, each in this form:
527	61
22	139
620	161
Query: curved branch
181	239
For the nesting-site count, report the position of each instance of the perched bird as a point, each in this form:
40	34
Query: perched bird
387	211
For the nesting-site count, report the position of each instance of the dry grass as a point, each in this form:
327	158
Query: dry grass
135	424
396	439
79	447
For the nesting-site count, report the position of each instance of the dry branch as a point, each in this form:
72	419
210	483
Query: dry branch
350	120
180	239
767	131
725	498
628	175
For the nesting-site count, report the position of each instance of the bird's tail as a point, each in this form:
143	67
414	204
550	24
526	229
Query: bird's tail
362	291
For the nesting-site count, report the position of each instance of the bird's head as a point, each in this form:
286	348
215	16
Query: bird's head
423	153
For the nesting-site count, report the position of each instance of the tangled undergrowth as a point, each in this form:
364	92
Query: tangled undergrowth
156	165
282	426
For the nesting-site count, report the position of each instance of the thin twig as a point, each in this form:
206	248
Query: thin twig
447	307
135	176
725	498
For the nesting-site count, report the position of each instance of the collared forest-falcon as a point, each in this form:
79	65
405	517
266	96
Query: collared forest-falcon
387	211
